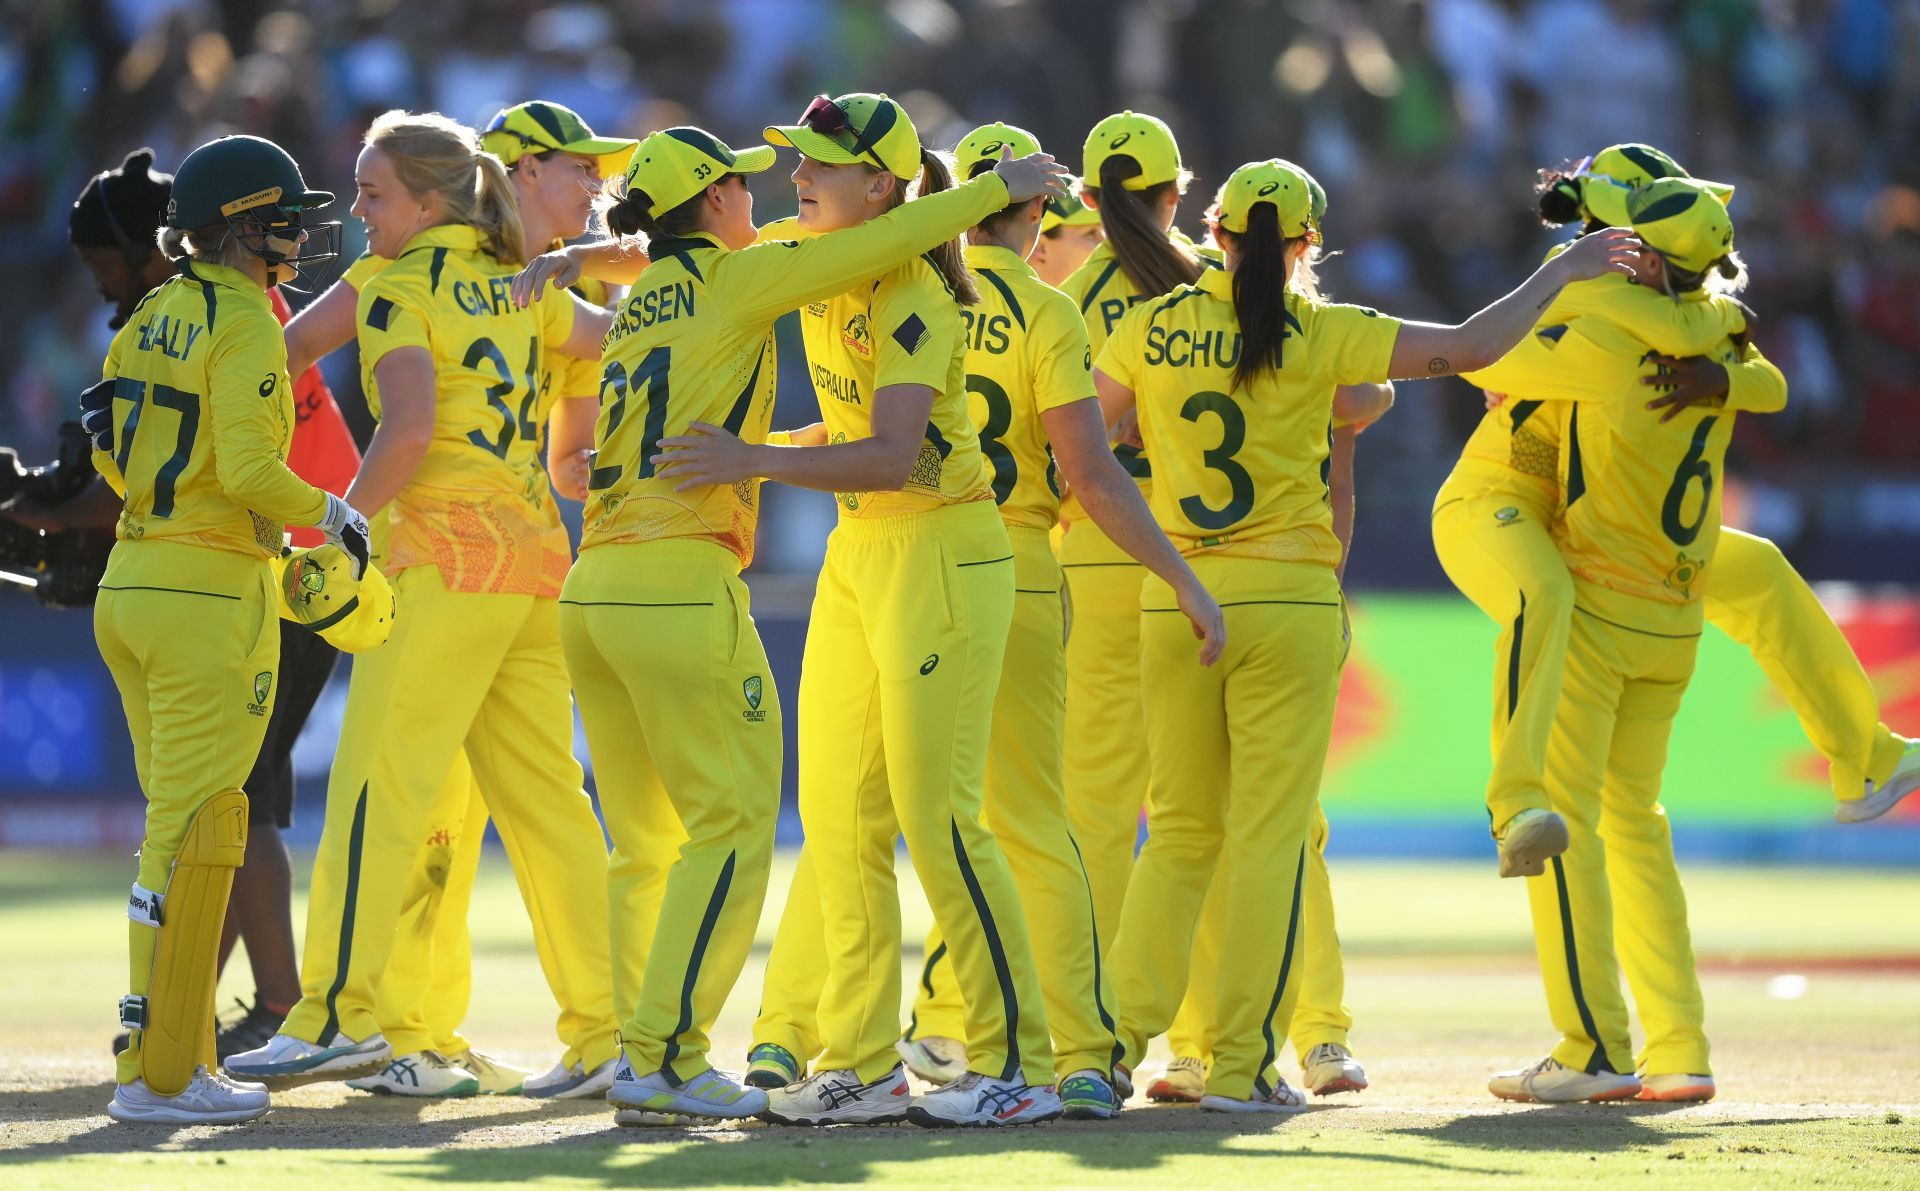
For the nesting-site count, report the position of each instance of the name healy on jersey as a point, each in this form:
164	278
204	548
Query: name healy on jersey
170	336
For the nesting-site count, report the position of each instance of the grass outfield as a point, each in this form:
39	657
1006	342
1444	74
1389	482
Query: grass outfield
1812	981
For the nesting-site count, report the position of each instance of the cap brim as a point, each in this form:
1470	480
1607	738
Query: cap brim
810	143
613	154
1721	190
754	160
1606	200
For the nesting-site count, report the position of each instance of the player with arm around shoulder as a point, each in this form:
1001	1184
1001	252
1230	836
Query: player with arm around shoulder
1237	750
191	426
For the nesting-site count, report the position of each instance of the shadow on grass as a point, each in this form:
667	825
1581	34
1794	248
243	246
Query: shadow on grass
447	1149
1578	1128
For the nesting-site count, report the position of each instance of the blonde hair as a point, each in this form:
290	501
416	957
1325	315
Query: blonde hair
433	154
214	244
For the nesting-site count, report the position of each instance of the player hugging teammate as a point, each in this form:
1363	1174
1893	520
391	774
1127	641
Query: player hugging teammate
1087	563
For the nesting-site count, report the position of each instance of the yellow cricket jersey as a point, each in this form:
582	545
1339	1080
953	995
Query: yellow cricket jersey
693	342
1243	472
1104	294
1519	442
901	328
1642	496
479	507
203	417
1026	353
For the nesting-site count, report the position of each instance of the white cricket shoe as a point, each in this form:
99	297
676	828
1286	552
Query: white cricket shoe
1330	1068
424	1073
976	1099
839	1098
288	1062
1284	1098
1529	840
570	1083
1881	798
707	1097
497	1078
1676	1088
937	1060
206	1100
1553	1082
1183	1082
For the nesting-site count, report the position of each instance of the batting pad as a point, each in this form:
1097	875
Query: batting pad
172	1015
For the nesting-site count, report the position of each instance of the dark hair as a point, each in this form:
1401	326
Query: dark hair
1152	261
122	208
946	258
626	213
1260	293
1003	220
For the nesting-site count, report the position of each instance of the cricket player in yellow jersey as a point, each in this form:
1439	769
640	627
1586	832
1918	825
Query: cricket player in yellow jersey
191	426
1237	750
1031	386
900	671
655	610
1069	232
452	369
1640	531
1133	179
555	163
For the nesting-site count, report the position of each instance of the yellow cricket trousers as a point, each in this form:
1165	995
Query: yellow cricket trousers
191	636
1237	753
902	662
684	725
1105	753
1026	809
1756	597
422	998
483	672
796	972
1616	890
1321	1014
1495	545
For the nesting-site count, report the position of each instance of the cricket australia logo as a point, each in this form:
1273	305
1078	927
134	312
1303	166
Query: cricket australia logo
752	689
1685	574
856	336
262	687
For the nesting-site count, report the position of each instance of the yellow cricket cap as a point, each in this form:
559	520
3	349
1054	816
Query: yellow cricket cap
1146	139
979	150
1071	211
1684	220
674	164
539	126
318	590
1627	166
1287	187
859	127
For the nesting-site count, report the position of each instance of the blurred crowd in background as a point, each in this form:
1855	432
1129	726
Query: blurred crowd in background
1425	120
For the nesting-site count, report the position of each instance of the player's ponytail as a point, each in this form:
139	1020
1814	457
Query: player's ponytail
432	154
1260	293
1146	254
946	258
497	210
626	212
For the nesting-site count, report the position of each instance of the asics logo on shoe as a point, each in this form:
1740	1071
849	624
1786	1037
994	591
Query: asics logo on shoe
403	1071
837	1094
1002	1102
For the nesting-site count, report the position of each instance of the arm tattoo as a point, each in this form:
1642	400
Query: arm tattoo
1438	366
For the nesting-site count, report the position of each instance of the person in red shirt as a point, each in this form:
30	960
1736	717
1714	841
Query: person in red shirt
113	226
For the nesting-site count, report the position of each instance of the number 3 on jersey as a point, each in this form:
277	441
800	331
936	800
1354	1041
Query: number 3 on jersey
521	427
1233	435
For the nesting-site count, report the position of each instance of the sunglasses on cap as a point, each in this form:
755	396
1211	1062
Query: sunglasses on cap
830	120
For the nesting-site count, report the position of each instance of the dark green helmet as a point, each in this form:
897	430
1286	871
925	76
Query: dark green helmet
223	178
255	188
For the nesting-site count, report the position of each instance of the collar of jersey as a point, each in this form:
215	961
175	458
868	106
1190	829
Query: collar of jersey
1217	283
992	256
461	237
692	240
226	277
